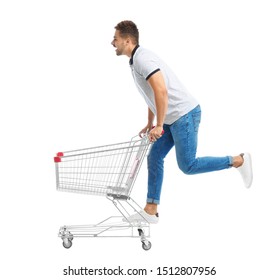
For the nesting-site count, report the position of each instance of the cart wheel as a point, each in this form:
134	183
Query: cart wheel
146	245
66	235
67	243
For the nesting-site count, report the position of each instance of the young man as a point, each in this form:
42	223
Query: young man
177	113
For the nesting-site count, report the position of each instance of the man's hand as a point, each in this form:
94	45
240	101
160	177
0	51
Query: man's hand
145	130
156	133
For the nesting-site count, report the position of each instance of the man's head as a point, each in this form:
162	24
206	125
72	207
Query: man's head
126	37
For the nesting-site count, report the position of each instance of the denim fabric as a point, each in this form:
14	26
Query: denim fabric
183	134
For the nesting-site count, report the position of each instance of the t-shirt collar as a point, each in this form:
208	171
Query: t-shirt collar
132	54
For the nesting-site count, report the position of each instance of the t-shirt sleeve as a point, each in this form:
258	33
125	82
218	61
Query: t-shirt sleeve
147	66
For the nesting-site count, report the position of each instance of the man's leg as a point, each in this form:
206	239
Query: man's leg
158	152
185	135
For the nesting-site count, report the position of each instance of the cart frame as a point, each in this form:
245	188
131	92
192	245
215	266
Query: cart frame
109	171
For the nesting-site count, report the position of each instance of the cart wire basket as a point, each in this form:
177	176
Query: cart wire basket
109	171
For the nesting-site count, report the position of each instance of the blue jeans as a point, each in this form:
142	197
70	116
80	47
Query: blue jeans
183	133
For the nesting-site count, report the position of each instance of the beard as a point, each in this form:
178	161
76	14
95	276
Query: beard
119	52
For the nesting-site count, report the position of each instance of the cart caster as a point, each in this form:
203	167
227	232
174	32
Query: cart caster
146	245
67	237
67	243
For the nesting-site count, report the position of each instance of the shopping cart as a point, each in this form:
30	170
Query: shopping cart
108	171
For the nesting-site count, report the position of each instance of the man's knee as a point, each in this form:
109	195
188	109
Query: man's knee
186	168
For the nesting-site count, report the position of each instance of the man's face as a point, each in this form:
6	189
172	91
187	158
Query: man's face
119	43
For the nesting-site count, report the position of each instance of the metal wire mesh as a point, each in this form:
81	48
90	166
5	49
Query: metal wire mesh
103	170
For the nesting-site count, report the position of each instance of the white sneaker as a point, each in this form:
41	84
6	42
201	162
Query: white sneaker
143	216
246	170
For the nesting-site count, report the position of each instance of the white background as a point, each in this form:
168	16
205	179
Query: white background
62	87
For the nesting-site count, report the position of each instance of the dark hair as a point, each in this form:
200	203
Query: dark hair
128	28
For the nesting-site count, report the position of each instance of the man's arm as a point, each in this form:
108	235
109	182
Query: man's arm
156	81
149	126
150	118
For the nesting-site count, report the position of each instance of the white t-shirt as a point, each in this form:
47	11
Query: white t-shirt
144	64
